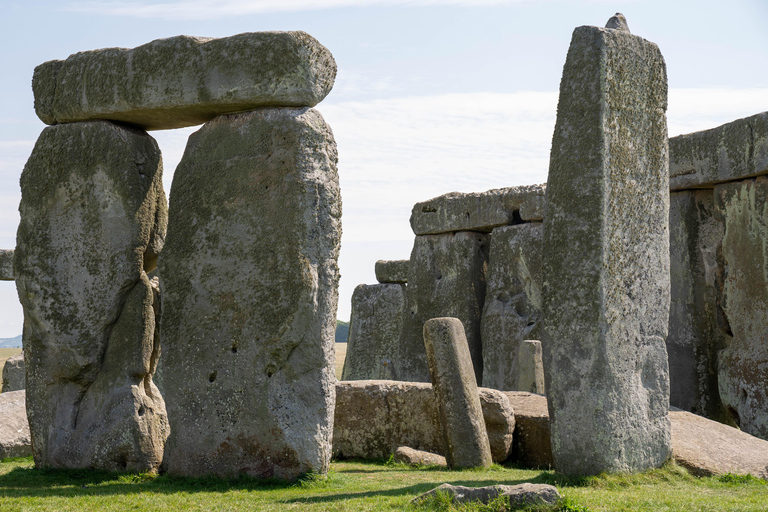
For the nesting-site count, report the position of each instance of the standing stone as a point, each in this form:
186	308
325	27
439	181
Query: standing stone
392	271
93	219
606	258
743	364
249	280
458	403
697	331
530	371
512	308
446	279
14	427
375	327
13	374
6	265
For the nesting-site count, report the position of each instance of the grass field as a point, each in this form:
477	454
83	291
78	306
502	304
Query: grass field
5	353
341	353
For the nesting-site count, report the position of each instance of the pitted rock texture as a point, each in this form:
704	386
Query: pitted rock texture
697	329
478	211
14	428
375	417
606	258
733	151
743	364
93	219
250	289
375	326
512	308
392	271
446	279
14	374
455	387
183	81
6	265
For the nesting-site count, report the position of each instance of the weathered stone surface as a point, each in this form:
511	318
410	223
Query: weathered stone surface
184	81
14	428
446	279
250	289
733	151
512	308
375	326
694	335
93	219
413	457
455	387
530	370
6	265
707	447
532	444
606	258
743	365
520	495
478	211
392	271
375	417
13	374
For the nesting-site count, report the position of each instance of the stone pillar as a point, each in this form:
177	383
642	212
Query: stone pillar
530	371
458	403
14	374
606	257
93	219
6	265
250	284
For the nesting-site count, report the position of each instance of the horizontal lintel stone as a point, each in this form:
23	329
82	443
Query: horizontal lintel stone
392	271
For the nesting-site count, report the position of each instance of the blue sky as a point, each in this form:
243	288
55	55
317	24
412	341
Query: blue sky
431	96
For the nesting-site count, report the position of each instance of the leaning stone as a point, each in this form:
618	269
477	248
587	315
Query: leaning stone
446	279
478	211
531	447
520	495
530	371
606	258
375	326
14	374
461	415
6	265
250	288
733	151
743	364
14	428
413	457
183	81
375	417
392	271
512	308
93	218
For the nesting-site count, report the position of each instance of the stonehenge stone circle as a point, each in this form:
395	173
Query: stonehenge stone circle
392	271
14	375
93	219
6	265
455	386
374	332
249	278
606	258
184	81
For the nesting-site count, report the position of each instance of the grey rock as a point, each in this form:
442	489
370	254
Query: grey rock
392	271
14	428
618	22
530	370
733	151
375	326
696	333
93	219
6	265
512	308
458	403
478	211
606	258
743	364
250	289
447	279
184	81
375	417
413	457
532	444
520	495
14	375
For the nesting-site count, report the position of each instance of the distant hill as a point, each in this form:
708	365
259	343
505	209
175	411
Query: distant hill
15	342
342	331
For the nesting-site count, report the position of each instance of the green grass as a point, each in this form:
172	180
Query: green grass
364	486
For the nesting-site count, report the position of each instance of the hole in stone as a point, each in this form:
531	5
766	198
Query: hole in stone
142	410
212	377
270	373
234	348
516	218
743	395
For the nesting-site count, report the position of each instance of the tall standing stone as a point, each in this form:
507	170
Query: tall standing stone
93	219
14	374
458	403
606	257
530	368
249	279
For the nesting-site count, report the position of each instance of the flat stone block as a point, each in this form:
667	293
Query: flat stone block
532	444
392	271
6	265
183	81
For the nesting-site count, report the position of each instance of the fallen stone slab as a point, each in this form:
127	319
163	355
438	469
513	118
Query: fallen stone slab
479	211
733	151
531	446
518	495
183	81
392	271
14	374
6	264
15	440
413	457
